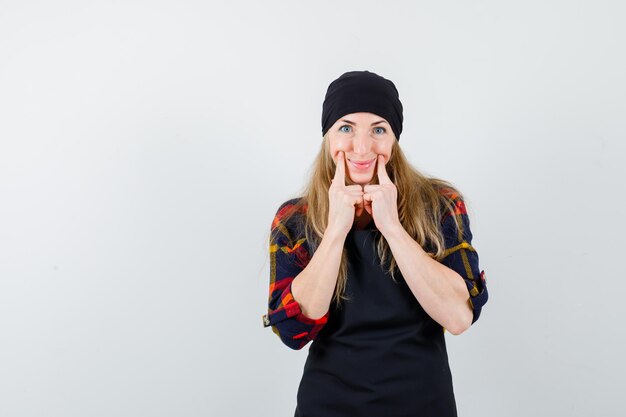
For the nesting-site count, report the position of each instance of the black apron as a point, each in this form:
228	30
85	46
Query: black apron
380	354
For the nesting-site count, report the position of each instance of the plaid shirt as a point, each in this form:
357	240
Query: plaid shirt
289	254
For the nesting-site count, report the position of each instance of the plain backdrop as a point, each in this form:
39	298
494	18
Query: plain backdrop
146	145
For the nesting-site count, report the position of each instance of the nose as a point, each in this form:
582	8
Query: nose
361	143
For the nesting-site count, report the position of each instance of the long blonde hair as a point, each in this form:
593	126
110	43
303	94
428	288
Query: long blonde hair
422	203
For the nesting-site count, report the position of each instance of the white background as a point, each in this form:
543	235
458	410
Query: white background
146	145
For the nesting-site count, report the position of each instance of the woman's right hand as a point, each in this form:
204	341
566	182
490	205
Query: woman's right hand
343	199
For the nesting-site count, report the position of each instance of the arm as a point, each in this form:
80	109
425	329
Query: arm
451	292
301	287
315	285
463	258
439	289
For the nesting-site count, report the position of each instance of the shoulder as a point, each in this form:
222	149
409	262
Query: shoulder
290	218
288	207
294	208
452	203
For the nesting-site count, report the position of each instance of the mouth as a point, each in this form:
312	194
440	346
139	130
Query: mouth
362	165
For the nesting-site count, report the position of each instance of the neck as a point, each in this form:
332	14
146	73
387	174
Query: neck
363	220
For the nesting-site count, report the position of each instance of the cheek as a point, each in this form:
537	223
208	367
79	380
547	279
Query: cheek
335	146
384	150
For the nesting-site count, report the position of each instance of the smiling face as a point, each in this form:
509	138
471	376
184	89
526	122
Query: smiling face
362	137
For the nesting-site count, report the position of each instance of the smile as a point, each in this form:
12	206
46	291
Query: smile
362	166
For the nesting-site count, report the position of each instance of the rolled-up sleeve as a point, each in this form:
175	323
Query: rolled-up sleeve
288	257
462	257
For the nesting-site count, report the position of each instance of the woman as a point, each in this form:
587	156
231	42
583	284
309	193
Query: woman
372	263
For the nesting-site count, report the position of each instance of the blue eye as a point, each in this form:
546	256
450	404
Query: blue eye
384	130
343	127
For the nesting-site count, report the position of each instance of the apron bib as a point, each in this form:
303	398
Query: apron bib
380	354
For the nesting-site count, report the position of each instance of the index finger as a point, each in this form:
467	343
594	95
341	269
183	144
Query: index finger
340	170
383	178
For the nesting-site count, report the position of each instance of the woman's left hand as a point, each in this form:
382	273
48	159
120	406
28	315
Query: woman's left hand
380	200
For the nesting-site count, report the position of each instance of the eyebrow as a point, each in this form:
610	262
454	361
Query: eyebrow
352	123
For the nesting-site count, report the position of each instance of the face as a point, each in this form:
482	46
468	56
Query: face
362	137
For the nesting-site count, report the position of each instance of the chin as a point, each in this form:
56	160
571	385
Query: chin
362	181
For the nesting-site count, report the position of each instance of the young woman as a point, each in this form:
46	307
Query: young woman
372	262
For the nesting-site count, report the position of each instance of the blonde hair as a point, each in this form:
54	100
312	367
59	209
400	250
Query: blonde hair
422	203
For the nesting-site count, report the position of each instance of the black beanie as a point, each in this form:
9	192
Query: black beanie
362	91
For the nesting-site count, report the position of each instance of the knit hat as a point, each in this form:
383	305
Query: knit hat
362	91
